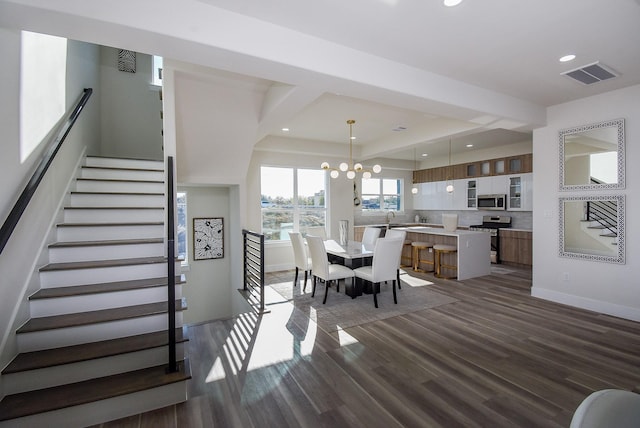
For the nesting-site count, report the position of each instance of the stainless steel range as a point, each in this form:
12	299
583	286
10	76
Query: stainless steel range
493	224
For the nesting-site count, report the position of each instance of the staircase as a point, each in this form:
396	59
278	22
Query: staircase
95	348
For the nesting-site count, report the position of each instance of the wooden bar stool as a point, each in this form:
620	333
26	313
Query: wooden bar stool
438	251
417	246
406	258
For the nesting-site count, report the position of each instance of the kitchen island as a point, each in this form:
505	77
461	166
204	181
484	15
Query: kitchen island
473	257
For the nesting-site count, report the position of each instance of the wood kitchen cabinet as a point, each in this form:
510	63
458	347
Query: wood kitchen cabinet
516	247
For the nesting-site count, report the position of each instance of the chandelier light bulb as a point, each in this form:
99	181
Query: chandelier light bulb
449	188
366	175
414	190
351	174
344	166
334	173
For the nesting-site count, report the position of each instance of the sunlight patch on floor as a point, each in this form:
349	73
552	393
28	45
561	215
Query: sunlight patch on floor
345	338
412	281
217	371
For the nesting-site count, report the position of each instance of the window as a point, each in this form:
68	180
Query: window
292	199
181	202
382	194
156	78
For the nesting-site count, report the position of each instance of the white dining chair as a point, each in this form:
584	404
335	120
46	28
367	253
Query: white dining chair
320	231
370	235
383	267
300	257
321	268
397	234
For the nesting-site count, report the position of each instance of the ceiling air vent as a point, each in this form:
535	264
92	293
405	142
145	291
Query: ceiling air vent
591	73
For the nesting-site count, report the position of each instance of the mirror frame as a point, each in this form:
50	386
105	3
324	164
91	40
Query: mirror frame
620	257
619	123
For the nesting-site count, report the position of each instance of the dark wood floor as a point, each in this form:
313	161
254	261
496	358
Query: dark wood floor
495	358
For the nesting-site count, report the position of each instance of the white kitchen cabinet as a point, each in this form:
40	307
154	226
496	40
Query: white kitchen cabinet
433	196
464	194
520	194
495	185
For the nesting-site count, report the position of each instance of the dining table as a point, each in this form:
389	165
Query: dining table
352	254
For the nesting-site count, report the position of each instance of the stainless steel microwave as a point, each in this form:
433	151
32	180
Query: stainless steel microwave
492	202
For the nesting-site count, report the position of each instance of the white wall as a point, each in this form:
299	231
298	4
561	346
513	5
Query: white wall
131	124
208	290
21	257
603	287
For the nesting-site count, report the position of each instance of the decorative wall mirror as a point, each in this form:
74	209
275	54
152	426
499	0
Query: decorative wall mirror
592	156
592	228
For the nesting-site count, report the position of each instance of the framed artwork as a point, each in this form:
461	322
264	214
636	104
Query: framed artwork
208	238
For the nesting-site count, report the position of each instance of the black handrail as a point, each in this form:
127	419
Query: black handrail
171	269
30	189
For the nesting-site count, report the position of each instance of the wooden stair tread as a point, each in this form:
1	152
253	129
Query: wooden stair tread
94	317
139	223
120	180
74	394
114	208
107	287
119	193
125	158
107	242
89	351
124	168
103	263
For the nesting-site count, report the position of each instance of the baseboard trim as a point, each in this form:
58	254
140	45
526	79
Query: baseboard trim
599	306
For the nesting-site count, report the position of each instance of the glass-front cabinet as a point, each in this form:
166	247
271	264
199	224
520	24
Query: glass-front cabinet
515	193
471	194
520	192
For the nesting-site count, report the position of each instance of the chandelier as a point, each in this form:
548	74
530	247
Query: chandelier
350	168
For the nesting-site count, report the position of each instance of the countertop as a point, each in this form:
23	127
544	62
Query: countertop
439	231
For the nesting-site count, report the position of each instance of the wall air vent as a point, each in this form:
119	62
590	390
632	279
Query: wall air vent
591	73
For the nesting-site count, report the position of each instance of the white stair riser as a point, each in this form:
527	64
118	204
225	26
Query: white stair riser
119	186
116	200
84	370
105	410
121	174
122	215
123	163
56	338
92	302
100	233
105	252
67	277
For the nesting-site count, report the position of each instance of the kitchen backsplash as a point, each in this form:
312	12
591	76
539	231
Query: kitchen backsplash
519	219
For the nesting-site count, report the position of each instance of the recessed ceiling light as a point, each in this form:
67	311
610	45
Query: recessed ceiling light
285	129
469	145
567	58
451	3
424	155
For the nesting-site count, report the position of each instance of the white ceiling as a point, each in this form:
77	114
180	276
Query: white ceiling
511	47
482	72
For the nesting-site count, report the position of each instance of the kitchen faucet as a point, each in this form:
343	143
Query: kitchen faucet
393	214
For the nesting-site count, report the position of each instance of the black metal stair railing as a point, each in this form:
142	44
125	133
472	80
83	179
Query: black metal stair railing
52	149
254	269
171	269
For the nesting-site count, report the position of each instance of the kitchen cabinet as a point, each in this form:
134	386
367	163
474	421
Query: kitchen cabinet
492	185
516	247
434	196
520	195
471	194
